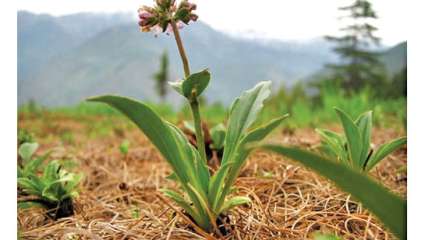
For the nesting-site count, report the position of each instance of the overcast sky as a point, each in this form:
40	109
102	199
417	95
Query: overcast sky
276	19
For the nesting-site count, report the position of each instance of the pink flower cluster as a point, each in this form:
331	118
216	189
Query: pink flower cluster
158	18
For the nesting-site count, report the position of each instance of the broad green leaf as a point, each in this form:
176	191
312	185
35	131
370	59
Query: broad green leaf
31	187
51	172
196	82
331	139
233	202
354	140
73	182
384	150
26	150
157	130
205	204
238	161
364	123
32	166
216	183
261	132
388	207
335	143
192	166
218	133
242	114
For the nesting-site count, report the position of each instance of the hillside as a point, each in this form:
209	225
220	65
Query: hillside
63	60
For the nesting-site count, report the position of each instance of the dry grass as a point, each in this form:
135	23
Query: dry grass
119	196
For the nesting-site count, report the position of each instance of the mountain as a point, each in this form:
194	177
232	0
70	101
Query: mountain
63	60
395	58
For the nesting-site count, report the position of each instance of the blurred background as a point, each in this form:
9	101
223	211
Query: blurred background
319	54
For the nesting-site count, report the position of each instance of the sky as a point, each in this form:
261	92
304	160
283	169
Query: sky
289	20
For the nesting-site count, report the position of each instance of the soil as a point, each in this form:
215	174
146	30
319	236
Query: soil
119	197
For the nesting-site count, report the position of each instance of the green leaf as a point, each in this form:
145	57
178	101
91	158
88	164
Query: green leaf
73	182
233	202
388	207
32	166
243	113
185	205
157	130
364	123
335	144
31	187
196	83
51	172
261	132
384	150
354	140
238	161
26	150
218	133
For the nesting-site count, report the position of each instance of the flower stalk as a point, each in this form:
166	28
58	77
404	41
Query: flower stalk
194	102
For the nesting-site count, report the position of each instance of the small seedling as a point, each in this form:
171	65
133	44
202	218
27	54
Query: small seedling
53	189
204	197
27	165
353	148
124	146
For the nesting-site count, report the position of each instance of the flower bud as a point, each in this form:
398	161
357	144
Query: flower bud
161	15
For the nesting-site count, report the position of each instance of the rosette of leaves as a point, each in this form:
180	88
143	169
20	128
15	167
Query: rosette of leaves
53	189
203	196
353	148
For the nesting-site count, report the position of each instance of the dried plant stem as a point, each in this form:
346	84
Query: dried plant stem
194	103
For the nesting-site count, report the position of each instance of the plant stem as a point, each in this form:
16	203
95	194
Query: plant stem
194	103
181	49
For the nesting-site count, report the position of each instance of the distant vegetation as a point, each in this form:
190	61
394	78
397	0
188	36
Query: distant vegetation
305	110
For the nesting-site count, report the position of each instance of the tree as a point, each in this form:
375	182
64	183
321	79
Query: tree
360	65
161	77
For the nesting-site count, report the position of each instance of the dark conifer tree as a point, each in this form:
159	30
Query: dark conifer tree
359	65
161	77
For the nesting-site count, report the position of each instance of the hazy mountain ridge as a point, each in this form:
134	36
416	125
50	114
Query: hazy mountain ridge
62	60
